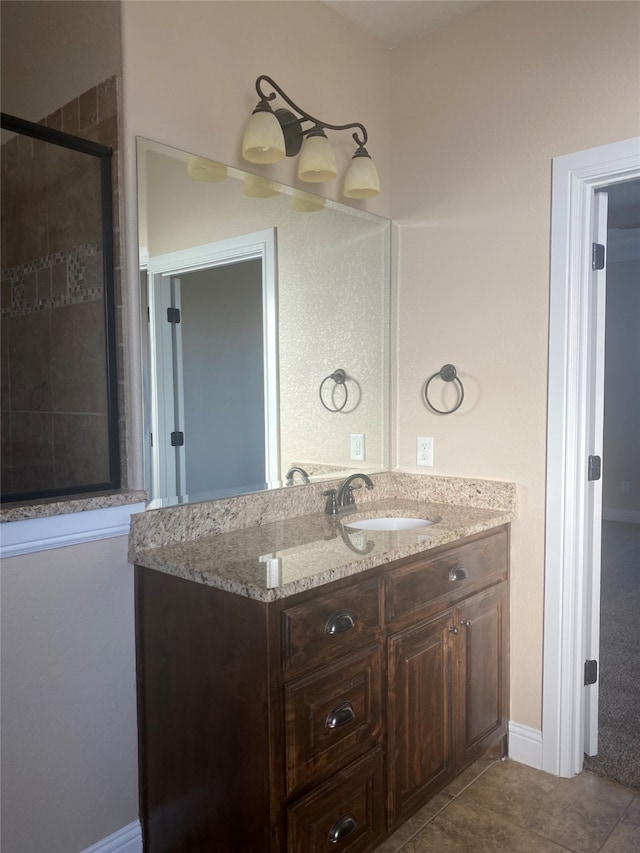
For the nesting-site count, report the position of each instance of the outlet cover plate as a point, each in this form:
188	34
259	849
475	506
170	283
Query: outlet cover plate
357	447
424	454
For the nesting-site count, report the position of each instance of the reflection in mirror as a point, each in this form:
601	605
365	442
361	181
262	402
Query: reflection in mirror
256	293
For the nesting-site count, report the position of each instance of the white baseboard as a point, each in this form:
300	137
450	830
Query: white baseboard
525	745
630	516
125	840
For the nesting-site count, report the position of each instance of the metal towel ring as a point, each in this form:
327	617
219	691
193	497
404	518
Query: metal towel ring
448	373
339	376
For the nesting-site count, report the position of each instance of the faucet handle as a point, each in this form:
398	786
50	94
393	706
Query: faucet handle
350	499
332	502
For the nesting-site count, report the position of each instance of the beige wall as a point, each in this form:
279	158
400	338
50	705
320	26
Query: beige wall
484	105
52	51
69	753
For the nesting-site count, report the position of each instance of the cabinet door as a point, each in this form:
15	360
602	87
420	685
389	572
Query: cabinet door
481	666
419	712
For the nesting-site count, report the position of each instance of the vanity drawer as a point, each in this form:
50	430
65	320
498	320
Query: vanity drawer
332	716
442	580
347	813
329	625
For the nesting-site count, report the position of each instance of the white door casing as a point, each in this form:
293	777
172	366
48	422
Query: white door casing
571	596
162	268
595	442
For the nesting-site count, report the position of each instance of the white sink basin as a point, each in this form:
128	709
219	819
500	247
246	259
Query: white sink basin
398	523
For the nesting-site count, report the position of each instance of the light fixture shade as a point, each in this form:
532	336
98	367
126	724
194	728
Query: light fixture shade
361	179
201	169
304	202
258	187
317	162
263	140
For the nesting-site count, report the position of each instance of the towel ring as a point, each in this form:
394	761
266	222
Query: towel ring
447	373
339	376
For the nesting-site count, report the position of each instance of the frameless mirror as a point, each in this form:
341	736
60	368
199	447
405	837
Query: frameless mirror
266	329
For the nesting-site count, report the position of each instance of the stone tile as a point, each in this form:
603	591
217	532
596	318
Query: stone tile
468	777
578	813
70	117
625	838
78	358
415	823
107	98
465	827
29	359
88	108
80	449
31	451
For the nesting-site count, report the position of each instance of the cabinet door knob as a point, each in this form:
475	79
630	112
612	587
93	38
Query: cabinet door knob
342	828
340	715
339	622
458	573
465	622
453	630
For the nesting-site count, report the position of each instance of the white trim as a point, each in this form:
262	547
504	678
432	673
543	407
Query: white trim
628	516
59	531
125	840
525	745
575	179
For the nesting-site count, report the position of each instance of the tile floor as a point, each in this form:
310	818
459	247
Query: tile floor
505	806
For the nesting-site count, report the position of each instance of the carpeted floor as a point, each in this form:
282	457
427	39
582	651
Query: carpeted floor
618	755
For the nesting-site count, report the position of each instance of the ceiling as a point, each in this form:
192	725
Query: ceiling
394	21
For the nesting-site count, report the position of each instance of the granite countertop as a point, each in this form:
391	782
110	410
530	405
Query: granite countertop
280	558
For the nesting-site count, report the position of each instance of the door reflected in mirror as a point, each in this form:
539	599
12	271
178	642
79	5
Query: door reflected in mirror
251	302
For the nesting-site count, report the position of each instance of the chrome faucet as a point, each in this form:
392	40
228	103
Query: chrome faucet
292	472
345	499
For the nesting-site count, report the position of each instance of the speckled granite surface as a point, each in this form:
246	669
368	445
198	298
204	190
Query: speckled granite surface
274	544
62	506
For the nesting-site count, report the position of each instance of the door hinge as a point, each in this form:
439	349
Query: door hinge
177	439
173	315
590	671
595	467
597	256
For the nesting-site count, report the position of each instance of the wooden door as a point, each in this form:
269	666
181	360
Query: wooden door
480	701
419	714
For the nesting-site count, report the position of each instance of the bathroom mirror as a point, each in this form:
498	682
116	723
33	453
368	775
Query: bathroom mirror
266	331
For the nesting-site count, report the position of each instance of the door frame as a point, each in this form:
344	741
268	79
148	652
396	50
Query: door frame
260	244
569	584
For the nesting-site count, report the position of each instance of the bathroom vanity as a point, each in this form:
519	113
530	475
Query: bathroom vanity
284	708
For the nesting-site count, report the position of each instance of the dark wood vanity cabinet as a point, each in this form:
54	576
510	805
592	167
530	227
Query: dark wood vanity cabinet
322	721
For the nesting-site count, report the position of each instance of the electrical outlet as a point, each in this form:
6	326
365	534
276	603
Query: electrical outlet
357	447
425	451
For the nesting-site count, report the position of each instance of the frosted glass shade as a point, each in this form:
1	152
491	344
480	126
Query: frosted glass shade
361	179
263	140
304	202
257	187
201	169
317	162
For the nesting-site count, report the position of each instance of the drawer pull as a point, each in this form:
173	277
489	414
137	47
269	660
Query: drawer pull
458	573
339	622
340	715
342	828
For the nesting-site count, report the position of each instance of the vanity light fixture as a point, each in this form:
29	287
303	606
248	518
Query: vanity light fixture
303	202
257	187
201	169
271	135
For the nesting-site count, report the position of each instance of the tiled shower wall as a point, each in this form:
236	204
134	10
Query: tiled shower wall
54	423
